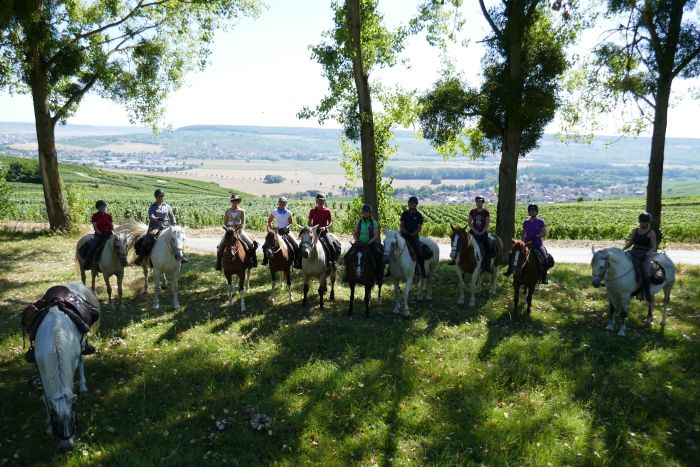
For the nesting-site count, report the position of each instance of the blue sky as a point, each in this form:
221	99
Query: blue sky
261	73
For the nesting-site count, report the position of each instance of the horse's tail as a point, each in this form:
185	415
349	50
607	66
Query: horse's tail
131	232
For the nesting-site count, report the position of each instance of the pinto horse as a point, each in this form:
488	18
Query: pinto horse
280	260
313	264
111	263
233	263
468	256
362	269
526	273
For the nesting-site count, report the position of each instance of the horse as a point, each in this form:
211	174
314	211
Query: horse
526	273
279	259
57	348
402	266
164	257
111	263
234	262
466	252
614	267
361	269
313	264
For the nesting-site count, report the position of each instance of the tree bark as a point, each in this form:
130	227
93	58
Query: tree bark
367	144
48	157
656	159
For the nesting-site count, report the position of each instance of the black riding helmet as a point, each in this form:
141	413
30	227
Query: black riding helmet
532	206
321	196
413	200
100	203
645	217
367	208
479	198
159	192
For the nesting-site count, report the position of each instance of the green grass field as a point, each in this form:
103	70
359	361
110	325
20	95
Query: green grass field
451	386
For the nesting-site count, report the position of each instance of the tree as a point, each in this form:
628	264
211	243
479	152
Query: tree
5	191
133	52
656	42
517	98
358	44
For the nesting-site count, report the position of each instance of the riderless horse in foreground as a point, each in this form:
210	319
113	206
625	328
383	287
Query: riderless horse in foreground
234	263
280	260
467	254
111	262
165	257
313	264
613	268
58	343
526	274
403	266
363	269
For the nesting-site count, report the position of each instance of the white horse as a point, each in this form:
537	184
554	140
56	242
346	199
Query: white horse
164	257
614	267
111	263
57	350
402	266
313	264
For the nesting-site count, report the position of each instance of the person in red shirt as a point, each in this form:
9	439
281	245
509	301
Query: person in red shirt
102	223
321	217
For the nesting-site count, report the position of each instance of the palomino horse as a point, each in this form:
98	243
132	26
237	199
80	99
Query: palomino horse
234	262
164	257
402	266
467	253
613	266
363	270
111	263
526	274
313	264
57	350
280	259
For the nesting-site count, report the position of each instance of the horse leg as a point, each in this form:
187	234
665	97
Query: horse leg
530	292
306	291
241	290
462	285
667	300
623	317
611	317
156	289
321	290
176	276
120	280
109	289
516	299
494	278
164	281
93	273
397	293
288	277
430	280
81	373
421	289
331	297
650	312
82	273
247	278
49	427
352	297
273	282
406	292
230	289
368	295
473	287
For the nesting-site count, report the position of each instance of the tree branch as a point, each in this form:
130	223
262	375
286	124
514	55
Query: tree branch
138	7
496	31
73	99
685	62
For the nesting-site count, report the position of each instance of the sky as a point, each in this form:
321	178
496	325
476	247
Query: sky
261	73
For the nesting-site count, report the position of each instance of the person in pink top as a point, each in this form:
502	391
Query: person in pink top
322	217
534	229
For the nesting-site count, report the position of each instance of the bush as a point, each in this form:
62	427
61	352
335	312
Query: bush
273	179
5	189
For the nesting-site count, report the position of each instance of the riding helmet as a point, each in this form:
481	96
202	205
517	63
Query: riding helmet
645	217
532	206
413	200
479	198
159	192
100	203
321	196
367	208
235	197
282	199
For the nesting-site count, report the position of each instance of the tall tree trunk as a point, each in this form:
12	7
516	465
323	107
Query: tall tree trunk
656	159
48	158
507	179
367	146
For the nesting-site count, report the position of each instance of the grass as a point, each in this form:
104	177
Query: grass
449	386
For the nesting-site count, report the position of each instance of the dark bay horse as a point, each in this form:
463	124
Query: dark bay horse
234	263
468	262
526	273
363	269
280	260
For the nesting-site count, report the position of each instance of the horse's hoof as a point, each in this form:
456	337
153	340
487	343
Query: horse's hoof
609	327
396	311
83	388
155	306
472	304
663	323
429	298
460	302
621	333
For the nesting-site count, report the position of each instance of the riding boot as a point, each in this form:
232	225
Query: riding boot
421	267
647	291
509	271
89	349
137	261
486	265
254	255
544	280
264	261
219	258
29	356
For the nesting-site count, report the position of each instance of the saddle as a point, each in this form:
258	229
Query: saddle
82	313
427	253
96	255
658	274
144	245
546	263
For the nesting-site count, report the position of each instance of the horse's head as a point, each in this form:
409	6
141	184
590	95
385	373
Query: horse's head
308	238
599	266
460	241
521	256
271	240
391	244
119	248
62	412
177	241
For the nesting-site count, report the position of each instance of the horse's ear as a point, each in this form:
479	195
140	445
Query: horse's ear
513	241
592	249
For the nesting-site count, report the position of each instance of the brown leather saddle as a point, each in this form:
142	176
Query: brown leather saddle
96	255
82	313
425	249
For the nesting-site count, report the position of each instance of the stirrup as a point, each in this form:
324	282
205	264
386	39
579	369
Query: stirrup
89	349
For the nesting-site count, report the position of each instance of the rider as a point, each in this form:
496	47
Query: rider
102	223
534	229
321	217
160	216
234	218
366	234
283	220
479	227
643	242
411	225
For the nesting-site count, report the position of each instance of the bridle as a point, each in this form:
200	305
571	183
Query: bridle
520	266
395	251
608	267
172	245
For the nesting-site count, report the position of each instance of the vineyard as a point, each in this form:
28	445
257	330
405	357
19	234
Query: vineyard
199	204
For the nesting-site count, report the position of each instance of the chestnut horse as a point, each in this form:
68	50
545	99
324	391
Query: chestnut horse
525	273
364	270
234	263
280	260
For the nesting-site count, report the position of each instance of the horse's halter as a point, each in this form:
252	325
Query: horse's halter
178	252
307	245
63	430
235	238
394	251
519	265
603	271
458	243
119	249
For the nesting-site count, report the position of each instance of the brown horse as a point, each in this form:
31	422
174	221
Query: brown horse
280	259
525	273
363	269
463	252
234	262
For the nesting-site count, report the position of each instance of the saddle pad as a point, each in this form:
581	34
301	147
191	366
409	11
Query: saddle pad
82	313
426	251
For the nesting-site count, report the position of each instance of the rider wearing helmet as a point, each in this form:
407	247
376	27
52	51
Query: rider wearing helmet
479	227
321	217
102	223
366	233
642	240
411	225
160	216
234	219
534	229
283	220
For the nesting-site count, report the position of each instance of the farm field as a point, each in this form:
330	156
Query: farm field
451	385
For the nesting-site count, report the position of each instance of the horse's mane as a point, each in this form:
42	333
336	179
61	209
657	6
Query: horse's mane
131	231
519	244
